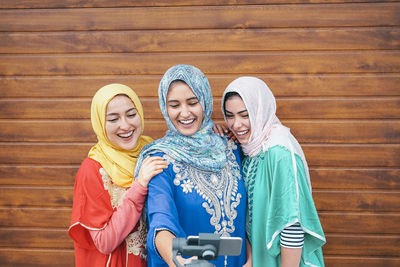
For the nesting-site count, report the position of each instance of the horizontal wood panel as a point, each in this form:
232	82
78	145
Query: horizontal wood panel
38	175
324	200
249	16
387	132
43	153
65	258
152	3
35	217
34	196
146	86
321	178
362	223
332	222
215	63
35	238
52	131
352	155
362	245
287	108
357	201
336	244
201	40
351	261
11	257
317	155
381	131
343	108
325	178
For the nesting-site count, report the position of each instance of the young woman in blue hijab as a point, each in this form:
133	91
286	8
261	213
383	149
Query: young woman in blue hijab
202	190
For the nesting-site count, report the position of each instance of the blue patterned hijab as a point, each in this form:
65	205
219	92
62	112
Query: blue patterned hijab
203	150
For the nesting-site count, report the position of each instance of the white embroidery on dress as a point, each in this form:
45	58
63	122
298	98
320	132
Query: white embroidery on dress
219	190
135	241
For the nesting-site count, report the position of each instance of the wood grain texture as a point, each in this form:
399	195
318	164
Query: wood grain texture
355	178
350	261
11	257
315	131
65	258
322	178
282	85
216	63
35	238
333	65
338	222
153	3
326	200
38	175
202	40
287	108
376	155
329	200
201	17
383	245
40	217
47	239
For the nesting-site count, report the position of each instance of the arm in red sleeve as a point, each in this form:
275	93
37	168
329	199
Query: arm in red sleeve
122	221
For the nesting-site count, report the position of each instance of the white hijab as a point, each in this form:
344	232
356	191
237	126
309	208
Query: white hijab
266	129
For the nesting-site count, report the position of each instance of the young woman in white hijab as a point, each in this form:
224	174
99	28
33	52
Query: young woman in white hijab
282	222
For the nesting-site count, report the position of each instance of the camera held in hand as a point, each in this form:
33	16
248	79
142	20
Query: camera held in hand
206	247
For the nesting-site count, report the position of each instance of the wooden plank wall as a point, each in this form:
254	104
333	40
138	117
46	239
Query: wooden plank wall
334	66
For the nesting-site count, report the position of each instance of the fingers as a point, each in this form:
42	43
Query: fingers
220	129
151	167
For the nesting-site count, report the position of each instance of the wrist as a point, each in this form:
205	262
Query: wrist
141	181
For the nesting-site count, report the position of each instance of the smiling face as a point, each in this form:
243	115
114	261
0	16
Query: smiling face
184	109
237	118
123	124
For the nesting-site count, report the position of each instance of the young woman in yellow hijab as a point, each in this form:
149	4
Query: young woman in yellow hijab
106	223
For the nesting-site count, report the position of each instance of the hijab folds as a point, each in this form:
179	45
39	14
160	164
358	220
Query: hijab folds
266	129
203	150
117	162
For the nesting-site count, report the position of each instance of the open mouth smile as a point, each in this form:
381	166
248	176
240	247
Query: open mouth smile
241	133
126	135
186	122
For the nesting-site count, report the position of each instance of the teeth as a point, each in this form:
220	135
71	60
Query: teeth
126	135
242	132
187	121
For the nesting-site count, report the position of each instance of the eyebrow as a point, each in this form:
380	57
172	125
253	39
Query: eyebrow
189	99
227	111
115	114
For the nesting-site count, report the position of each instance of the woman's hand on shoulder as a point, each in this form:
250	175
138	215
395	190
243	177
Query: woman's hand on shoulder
151	166
222	130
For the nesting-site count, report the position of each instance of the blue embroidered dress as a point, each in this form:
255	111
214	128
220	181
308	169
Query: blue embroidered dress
202	190
187	201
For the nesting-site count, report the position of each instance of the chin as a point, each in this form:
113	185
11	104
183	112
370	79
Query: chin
129	146
187	133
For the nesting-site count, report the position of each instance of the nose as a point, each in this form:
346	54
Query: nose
185	111
236	123
124	124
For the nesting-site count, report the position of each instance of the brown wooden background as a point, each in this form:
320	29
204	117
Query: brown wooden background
333	65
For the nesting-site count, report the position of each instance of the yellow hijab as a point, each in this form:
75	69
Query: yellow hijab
117	162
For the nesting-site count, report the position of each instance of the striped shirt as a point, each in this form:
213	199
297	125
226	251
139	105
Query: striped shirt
292	236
